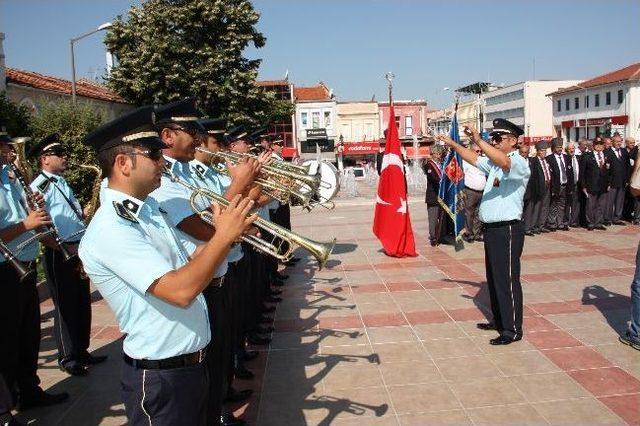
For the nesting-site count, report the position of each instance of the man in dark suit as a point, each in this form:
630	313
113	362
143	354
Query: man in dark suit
632	204
433	169
533	194
561	186
595	184
618	177
574	201
542	188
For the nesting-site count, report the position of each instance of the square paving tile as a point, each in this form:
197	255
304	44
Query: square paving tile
521	363
521	414
411	372
450	348
548	387
587	411
467	368
422	398
487	392
391	334
607	381
445	418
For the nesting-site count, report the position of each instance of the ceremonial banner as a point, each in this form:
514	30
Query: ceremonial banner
450	193
391	223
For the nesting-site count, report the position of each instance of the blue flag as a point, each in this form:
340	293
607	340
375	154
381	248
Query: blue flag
450	193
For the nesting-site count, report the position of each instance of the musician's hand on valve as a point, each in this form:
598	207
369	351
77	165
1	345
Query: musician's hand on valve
38	198
244	172
264	157
254	192
233	221
36	219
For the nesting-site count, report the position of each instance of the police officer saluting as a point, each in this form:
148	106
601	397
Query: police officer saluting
154	286
501	213
69	290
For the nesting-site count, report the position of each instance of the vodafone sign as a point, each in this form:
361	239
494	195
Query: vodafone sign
360	148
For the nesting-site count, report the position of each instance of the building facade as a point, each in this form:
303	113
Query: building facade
605	104
439	121
315	121
525	104
358	121
410	117
285	129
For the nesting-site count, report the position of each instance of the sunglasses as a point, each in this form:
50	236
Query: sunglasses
500	138
151	154
57	153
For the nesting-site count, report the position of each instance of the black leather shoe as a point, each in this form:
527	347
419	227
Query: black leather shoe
530	233
249	355
255	339
504	340
564	228
229	419
238	396
618	222
73	367
241	372
40	398
590	228
607	223
574	226
486	326
8	420
89	359
600	227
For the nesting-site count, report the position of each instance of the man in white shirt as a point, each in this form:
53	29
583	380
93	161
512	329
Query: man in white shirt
474	183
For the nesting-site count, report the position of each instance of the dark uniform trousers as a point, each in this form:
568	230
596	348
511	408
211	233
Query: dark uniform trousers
471	211
503	244
615	204
594	208
575	201
71	297
6	400
541	210
558	209
218	304
167	397
235	282
19	331
433	213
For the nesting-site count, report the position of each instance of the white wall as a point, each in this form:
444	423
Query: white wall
308	109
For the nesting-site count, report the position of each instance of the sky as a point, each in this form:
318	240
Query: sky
351	44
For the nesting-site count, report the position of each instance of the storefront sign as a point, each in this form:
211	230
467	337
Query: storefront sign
316	133
599	121
360	148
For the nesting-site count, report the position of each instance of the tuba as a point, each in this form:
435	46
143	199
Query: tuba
287	239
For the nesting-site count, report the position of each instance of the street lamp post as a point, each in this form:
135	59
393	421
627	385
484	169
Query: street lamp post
102	27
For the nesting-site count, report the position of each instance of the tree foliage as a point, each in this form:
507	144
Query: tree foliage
169	49
18	118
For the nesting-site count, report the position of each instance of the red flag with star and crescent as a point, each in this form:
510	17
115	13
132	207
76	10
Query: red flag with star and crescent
391	223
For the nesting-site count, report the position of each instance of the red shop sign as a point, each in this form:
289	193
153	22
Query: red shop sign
360	148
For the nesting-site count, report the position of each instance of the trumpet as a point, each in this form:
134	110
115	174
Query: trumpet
21	269
288	239
281	180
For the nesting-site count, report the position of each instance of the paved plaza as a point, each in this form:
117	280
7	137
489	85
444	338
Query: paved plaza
373	340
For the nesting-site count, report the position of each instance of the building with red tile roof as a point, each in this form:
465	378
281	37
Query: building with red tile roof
604	104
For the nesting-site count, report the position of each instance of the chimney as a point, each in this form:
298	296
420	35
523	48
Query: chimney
3	73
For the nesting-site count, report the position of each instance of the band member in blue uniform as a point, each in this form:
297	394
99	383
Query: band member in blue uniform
151	279
68	287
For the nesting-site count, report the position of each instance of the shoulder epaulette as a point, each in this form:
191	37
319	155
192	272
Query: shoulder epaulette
44	185
124	213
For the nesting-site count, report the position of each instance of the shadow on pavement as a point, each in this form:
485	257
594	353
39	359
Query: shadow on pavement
614	307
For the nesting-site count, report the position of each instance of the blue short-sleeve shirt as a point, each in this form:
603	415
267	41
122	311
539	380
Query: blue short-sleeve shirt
62	205
12	211
502	199
124	251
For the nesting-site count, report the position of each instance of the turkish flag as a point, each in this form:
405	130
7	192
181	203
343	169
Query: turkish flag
391	223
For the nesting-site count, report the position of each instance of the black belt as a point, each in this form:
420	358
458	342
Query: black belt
167	363
474	190
499	224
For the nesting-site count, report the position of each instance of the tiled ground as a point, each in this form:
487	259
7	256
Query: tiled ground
372	340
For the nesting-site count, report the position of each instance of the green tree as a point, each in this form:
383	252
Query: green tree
72	123
169	49
18	118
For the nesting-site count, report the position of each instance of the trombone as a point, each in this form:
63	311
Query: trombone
319	250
